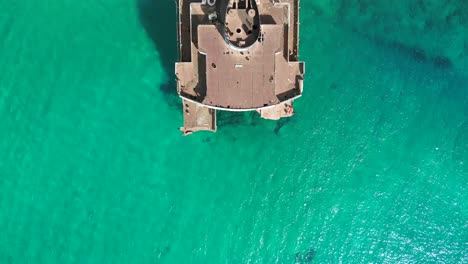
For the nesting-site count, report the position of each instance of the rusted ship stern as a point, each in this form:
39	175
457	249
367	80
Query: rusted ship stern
237	55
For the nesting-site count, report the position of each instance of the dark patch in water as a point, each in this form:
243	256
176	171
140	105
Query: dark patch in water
230	118
164	251
310	256
305	257
442	62
280	123
169	90
416	53
158	18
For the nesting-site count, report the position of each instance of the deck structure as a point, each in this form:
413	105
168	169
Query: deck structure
237	55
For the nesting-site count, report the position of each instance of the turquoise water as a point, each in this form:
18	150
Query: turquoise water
373	167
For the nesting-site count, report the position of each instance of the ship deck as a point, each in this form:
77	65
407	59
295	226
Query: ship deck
216	75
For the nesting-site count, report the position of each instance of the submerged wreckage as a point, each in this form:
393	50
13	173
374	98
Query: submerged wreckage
237	55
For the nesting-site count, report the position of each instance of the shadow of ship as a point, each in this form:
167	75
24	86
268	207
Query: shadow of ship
159	20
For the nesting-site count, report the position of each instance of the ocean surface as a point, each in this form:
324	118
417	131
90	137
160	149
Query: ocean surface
373	168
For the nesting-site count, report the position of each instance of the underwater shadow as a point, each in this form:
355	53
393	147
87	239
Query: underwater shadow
159	20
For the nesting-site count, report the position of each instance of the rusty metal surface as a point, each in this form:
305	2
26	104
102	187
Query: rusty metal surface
239	55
